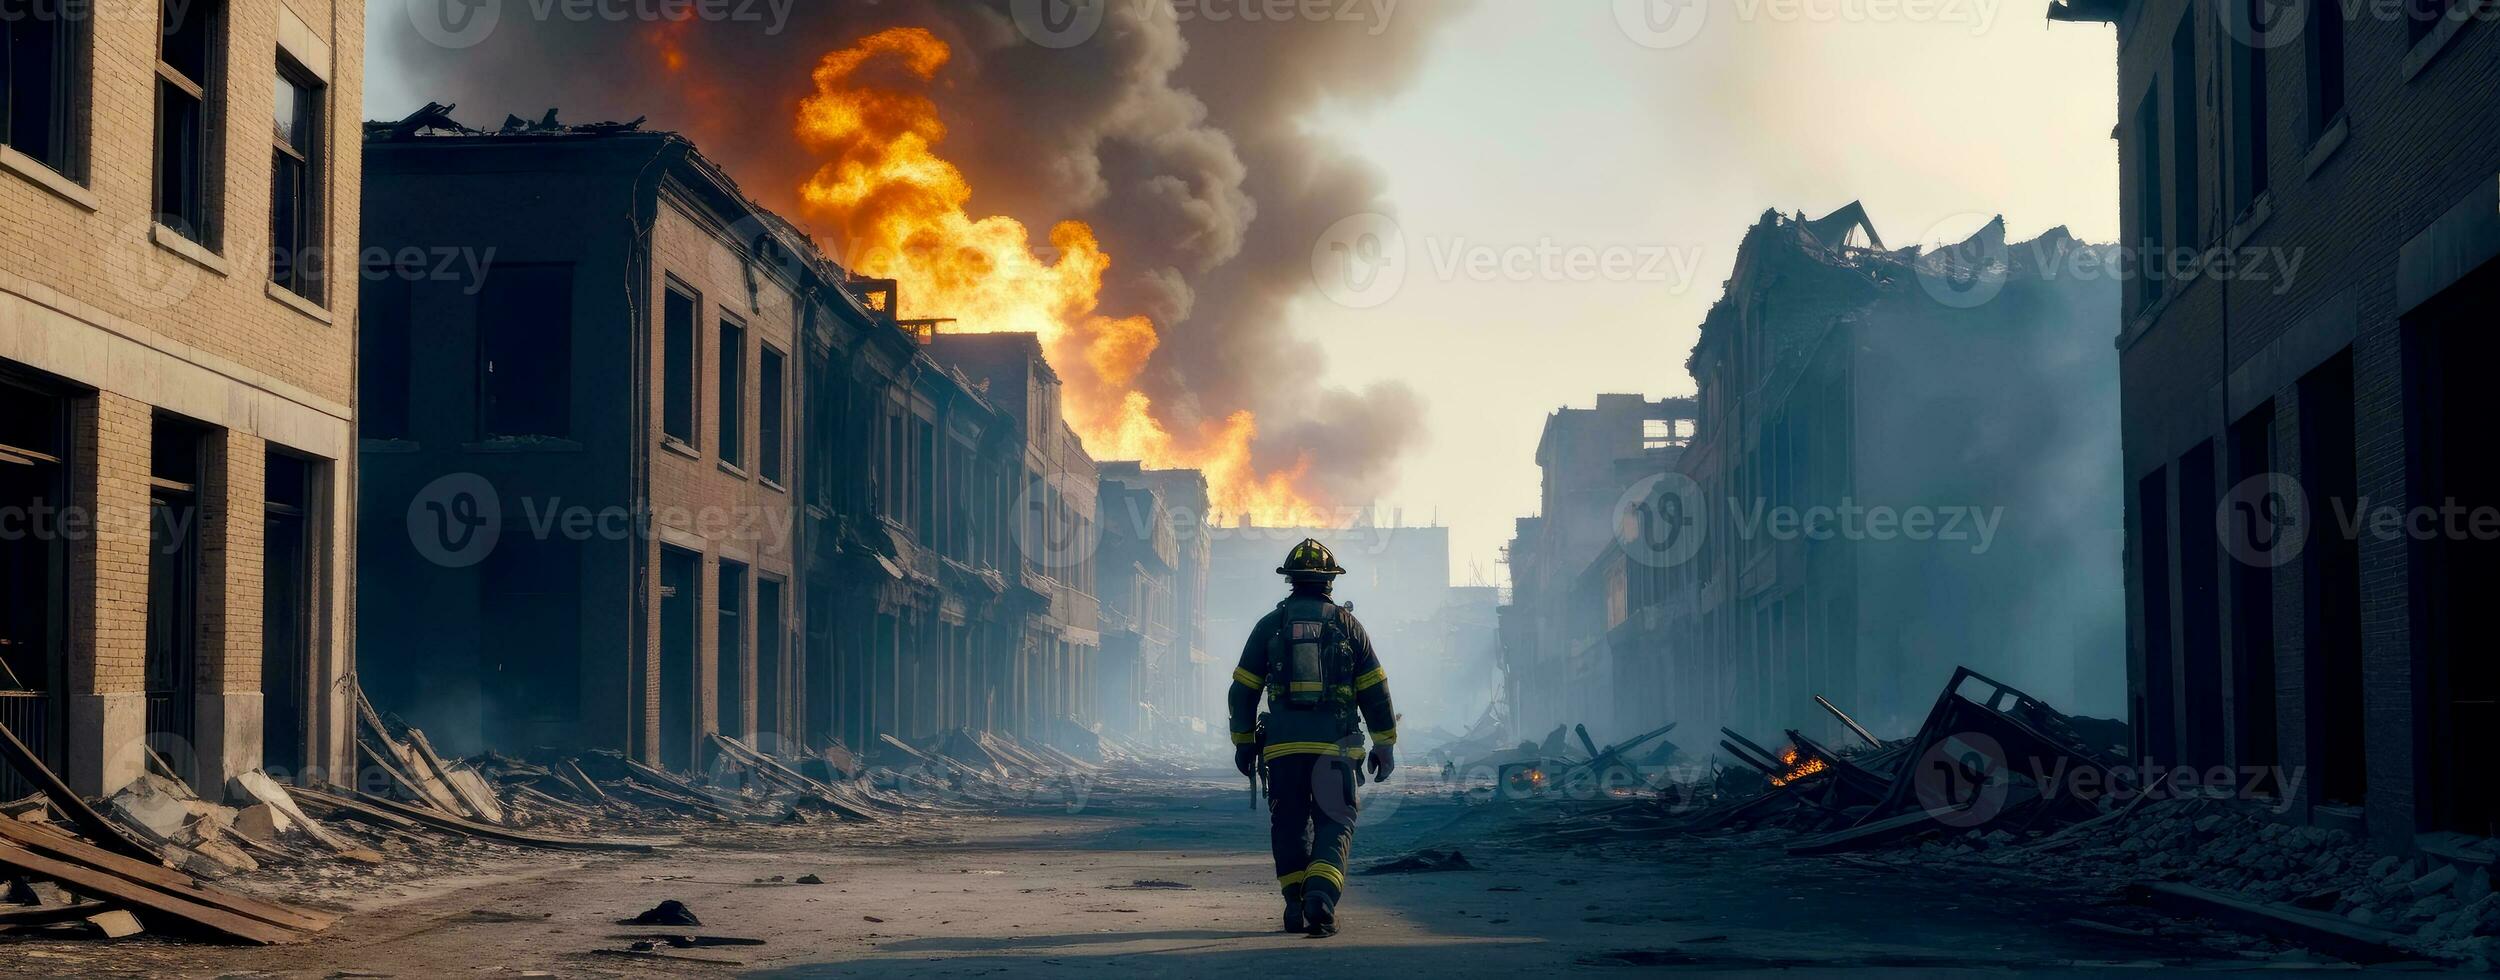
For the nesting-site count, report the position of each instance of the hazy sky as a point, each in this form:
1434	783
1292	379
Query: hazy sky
1573	129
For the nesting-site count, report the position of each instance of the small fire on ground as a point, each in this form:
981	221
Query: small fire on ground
1799	766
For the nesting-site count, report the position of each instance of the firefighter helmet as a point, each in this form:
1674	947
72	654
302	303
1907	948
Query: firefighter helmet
1310	559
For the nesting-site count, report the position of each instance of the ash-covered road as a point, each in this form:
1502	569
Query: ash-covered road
1171	878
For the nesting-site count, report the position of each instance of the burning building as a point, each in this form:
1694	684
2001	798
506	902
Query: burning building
738	496
1137	565
2308	198
177	369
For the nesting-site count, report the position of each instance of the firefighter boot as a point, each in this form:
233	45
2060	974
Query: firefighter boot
1295	921
1320	909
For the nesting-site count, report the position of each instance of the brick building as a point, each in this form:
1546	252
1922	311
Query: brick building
2305	631
1053	530
736	496
177	352
1182	690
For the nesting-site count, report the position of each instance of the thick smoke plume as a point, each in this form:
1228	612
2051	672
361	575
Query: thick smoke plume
1179	137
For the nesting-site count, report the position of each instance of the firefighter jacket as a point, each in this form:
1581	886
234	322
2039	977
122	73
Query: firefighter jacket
1315	666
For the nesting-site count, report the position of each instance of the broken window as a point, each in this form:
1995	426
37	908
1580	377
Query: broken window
525	351
2325	36
733	392
679	581
295	199
2248	115
188	88
677	368
769	383
382	360
43	97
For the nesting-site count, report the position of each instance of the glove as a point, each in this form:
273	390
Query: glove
1383	761
1245	757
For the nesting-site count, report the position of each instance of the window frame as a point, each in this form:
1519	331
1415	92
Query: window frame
691	363
72	95
208	96
772	413
730	427
311	210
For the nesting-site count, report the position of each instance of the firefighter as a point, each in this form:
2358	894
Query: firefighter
1324	687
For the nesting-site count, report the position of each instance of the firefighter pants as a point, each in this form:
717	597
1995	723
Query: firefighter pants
1311	822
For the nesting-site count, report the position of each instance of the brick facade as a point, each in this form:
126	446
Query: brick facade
129	324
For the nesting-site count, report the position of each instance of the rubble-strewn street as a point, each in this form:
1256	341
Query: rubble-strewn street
1166	877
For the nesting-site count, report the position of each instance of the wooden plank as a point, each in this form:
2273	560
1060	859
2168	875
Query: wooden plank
2332	935
333	806
89	822
46	915
428	788
582	779
472	792
55	844
130	894
505	834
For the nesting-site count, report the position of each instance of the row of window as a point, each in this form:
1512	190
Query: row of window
680	363
2245	23
44	108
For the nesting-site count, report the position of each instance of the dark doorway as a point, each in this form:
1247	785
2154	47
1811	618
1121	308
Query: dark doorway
2158	742
772	662
530	654
34	446
2252	617
173	626
816	695
2457	479
2332	576
680	584
729	688
2200	609
285	615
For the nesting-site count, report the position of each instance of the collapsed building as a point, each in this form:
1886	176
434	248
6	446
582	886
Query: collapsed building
735	496
1899	466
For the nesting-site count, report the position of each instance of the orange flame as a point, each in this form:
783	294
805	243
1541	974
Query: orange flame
1798	766
900	210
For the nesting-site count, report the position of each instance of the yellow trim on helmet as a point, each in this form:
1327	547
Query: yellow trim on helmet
1247	679
1370	679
